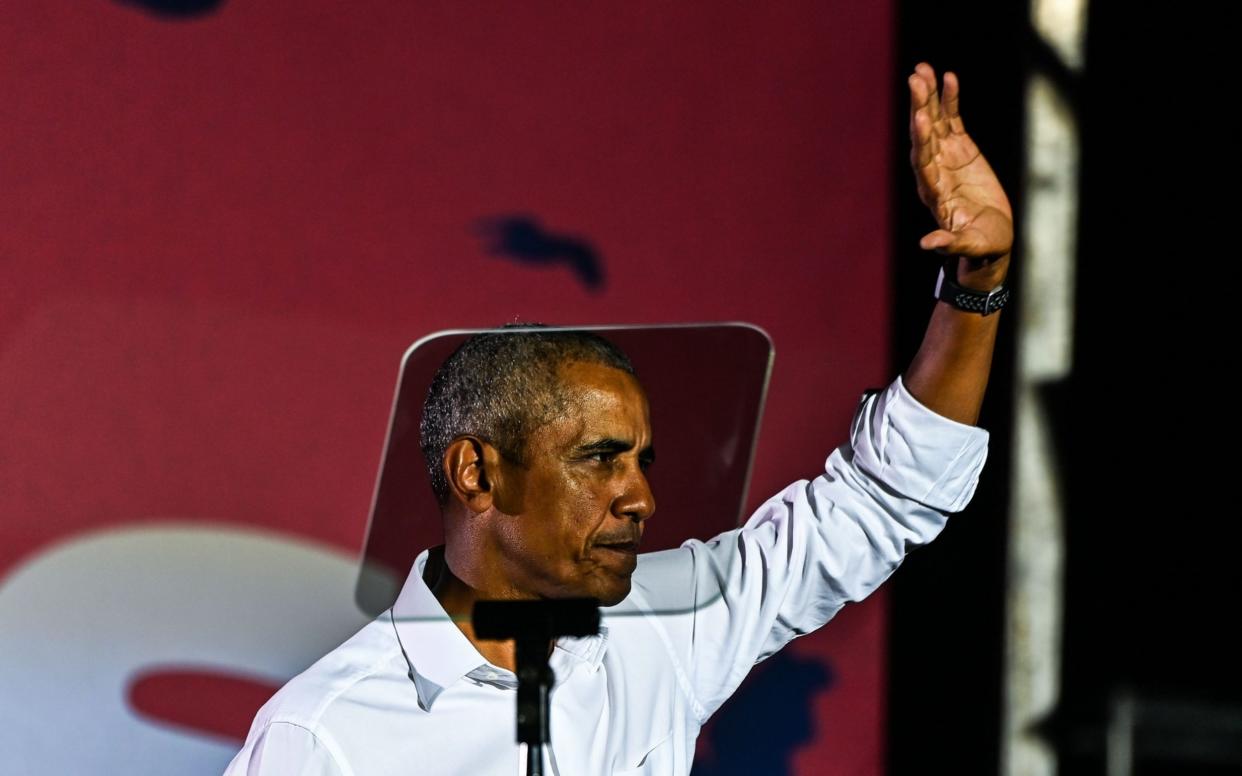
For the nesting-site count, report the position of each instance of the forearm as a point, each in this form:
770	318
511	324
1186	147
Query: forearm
949	374
817	545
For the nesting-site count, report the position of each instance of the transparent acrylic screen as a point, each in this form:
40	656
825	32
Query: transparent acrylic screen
705	384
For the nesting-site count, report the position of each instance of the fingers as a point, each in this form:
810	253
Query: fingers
918	99
928	75
951	91
925	73
923	141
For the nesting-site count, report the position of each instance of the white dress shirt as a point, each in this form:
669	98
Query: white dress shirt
409	694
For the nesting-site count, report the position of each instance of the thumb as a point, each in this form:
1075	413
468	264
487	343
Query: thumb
937	240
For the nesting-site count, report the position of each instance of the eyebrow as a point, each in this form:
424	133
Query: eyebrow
614	445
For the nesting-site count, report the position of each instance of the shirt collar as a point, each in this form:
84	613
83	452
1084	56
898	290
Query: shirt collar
588	649
439	654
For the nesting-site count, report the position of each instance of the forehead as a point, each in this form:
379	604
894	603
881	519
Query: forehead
601	401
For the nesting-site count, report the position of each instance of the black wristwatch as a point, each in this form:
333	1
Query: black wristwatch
968	299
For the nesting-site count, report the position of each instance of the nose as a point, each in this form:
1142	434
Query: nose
636	501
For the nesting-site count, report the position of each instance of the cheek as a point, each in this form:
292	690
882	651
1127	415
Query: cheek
559	521
566	509
583	509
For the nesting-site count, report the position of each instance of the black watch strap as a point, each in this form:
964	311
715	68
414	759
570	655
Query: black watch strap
968	299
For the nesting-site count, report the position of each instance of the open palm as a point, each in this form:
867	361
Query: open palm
954	180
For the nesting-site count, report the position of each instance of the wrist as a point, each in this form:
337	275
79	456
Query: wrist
978	274
987	294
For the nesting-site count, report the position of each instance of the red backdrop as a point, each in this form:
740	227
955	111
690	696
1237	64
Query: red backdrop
221	231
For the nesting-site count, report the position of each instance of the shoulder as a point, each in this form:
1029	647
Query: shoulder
282	748
665	593
369	664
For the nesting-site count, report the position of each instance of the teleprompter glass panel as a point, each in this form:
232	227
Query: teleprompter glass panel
705	385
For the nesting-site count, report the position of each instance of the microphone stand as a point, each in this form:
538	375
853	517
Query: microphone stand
534	625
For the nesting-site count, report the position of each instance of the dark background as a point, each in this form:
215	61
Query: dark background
1146	422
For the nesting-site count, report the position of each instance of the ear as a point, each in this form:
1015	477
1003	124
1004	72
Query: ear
469	475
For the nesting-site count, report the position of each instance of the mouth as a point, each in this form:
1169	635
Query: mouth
630	547
626	548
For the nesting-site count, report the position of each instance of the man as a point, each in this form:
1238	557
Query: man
538	446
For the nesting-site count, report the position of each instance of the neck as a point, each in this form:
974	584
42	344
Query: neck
458	597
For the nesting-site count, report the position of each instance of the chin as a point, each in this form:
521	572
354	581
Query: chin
614	594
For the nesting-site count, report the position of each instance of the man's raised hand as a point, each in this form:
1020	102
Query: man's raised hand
957	184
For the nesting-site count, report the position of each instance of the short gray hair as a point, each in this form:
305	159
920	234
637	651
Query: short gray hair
499	386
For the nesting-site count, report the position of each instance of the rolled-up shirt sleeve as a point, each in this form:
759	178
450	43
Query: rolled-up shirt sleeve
816	546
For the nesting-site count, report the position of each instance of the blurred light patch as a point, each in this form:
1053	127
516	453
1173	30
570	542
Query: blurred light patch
1062	24
1049	238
